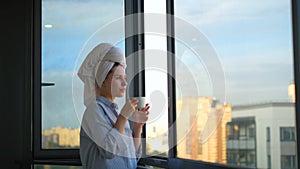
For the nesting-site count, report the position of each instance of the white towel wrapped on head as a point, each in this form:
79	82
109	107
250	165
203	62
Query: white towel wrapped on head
96	66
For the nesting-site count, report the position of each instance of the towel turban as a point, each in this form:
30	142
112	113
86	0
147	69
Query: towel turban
96	66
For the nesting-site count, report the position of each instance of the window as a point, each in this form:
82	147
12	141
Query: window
156	77
251	131
63	38
189	51
230	41
287	134
288	162
268	134
269	162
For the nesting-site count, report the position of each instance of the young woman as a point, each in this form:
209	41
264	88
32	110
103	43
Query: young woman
106	139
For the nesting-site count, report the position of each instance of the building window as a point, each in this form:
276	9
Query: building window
288	162
269	162
188	147
251	132
245	158
287	134
268	134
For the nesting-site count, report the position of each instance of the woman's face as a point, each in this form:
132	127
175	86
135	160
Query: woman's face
118	82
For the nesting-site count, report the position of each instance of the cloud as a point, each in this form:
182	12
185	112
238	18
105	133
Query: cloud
220	11
57	101
252	40
78	14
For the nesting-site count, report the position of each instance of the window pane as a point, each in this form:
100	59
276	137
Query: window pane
287	133
70	29
234	80
156	78
288	162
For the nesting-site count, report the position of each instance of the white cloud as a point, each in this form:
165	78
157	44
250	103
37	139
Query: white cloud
220	11
57	101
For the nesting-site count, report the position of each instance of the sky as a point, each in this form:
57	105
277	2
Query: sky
251	40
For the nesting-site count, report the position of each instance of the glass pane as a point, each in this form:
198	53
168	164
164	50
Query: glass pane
70	29
234	73
156	78
56	167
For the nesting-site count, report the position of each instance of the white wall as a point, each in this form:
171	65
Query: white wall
281	115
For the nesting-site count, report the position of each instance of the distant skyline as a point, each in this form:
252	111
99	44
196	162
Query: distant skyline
253	41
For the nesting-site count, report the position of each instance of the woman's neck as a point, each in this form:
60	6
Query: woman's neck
108	97
104	93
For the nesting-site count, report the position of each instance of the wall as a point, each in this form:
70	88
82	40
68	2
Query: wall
15	83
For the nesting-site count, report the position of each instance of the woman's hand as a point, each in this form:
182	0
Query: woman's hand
140	118
129	107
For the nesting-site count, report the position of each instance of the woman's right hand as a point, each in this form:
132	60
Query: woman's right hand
129	107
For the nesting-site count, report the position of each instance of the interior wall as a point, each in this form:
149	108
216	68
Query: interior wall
15	83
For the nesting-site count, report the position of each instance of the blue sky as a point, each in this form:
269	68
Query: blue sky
73	24
251	38
253	42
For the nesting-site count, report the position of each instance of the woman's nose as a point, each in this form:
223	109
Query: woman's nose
124	83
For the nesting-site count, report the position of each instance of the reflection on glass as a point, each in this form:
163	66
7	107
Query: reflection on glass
56	167
254	124
66	27
152	167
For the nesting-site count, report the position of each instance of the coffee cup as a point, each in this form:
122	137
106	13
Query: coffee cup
142	102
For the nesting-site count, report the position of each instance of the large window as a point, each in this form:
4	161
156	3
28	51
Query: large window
68	30
234	60
219	76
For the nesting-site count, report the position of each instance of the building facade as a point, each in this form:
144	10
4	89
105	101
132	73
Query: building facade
262	136
201	131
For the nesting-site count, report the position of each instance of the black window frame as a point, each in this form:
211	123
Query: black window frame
40	156
71	156
63	156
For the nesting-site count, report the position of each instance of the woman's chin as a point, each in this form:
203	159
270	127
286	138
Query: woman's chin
120	95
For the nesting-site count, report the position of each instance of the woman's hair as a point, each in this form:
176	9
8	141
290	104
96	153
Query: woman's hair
116	64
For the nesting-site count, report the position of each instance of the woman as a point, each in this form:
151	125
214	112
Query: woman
106	138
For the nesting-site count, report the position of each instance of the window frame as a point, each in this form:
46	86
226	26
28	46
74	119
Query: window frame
59	156
44	156
296	56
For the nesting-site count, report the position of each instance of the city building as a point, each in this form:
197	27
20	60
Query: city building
202	129
262	136
59	137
